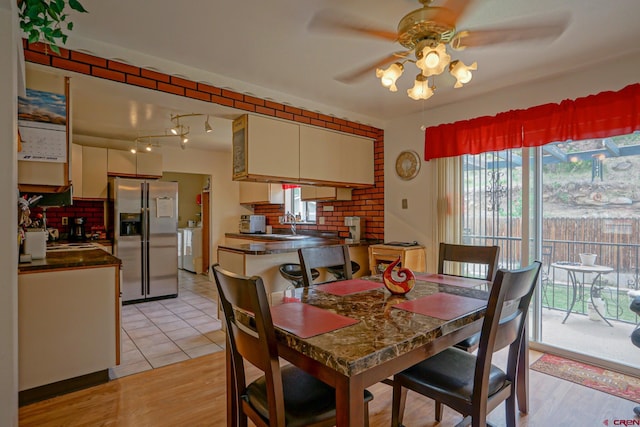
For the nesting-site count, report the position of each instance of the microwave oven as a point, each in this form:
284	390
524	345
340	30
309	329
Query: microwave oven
253	223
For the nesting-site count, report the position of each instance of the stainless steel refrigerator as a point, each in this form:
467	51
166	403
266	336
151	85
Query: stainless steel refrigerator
146	238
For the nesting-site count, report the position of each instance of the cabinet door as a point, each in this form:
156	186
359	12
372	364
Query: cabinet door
273	148
149	164
319	154
356	160
310	193
121	163
94	172
76	169
261	193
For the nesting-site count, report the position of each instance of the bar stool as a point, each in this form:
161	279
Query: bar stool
338	270
293	273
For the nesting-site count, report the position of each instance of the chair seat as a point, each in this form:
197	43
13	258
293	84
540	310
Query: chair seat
307	400
469	344
451	372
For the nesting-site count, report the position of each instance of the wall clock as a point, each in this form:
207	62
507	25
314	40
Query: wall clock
408	164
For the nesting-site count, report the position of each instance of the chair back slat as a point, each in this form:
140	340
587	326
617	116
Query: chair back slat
504	321
468	254
322	257
253	340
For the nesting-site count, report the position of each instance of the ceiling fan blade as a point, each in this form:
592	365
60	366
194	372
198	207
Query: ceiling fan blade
333	21
352	76
475	38
450	11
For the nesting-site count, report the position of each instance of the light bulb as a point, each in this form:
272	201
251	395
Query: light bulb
133	150
389	76
148	148
432	59
461	72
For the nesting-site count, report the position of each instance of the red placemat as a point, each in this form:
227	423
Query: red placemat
348	287
444	279
306	320
442	305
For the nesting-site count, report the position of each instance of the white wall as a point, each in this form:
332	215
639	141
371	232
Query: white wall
8	219
225	210
417	222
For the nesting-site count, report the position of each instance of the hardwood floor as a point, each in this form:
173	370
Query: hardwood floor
192	393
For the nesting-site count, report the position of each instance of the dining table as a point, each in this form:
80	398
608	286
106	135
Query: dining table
354	333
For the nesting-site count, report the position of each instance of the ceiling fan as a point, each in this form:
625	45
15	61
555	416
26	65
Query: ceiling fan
426	33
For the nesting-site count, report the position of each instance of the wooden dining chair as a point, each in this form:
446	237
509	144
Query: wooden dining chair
283	396
461	256
471	384
323	257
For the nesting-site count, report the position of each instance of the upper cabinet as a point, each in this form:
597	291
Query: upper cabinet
89	172
128	164
266	149
310	193
335	158
255	193
43	159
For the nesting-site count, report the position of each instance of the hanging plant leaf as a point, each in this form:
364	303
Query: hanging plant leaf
42	20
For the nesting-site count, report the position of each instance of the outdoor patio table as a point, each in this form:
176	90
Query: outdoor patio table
572	268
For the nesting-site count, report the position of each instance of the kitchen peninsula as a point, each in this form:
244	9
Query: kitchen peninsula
262	255
69	321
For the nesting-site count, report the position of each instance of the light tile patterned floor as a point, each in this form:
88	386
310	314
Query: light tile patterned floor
158	333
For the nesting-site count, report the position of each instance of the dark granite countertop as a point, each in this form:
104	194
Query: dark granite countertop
69	259
273	243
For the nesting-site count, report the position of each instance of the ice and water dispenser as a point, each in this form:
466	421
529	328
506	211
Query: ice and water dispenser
130	224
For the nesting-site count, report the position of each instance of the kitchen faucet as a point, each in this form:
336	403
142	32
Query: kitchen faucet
292	218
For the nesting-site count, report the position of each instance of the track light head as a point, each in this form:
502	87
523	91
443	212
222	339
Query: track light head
207	126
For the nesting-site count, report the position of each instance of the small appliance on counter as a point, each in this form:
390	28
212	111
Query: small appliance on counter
77	230
35	243
355	230
253	224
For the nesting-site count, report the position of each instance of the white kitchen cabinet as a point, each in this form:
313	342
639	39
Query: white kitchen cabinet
312	192
94	173
254	193
89	172
149	164
265	148
128	164
335	158
121	163
68	324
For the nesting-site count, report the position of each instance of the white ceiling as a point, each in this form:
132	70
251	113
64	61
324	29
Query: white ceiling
265	48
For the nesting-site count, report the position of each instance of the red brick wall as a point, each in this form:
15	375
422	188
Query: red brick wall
367	203
92	211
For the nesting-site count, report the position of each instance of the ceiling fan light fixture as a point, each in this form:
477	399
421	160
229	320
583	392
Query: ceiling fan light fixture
389	76
462	72
420	89
433	60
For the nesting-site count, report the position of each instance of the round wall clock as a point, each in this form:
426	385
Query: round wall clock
408	164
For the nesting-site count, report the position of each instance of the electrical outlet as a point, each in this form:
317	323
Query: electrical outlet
65	220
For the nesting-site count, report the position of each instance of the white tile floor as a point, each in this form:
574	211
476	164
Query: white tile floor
162	332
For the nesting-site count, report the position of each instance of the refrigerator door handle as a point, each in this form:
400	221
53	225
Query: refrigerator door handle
143	241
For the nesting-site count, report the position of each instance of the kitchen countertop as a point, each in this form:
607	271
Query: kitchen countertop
276	244
58	260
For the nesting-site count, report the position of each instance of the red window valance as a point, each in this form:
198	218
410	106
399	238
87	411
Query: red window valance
289	186
596	116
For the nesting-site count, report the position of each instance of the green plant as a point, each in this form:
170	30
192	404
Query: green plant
43	20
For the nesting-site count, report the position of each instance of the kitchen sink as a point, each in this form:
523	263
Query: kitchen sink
285	236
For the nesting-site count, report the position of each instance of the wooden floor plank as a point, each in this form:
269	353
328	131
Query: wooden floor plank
192	393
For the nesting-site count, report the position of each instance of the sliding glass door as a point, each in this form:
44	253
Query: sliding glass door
579	197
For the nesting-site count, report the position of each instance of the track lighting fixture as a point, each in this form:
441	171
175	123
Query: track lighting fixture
177	129
207	126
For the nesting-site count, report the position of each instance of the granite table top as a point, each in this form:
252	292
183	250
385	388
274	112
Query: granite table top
382	333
